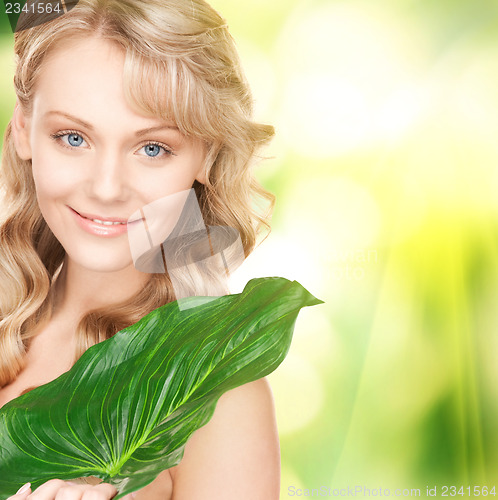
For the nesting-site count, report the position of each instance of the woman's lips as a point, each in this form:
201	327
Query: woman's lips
99	225
100	218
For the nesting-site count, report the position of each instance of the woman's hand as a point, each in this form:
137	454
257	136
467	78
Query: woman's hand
67	490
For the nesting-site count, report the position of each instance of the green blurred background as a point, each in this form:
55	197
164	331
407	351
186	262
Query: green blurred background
385	172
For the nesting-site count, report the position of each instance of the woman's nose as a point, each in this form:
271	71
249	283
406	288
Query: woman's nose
108	180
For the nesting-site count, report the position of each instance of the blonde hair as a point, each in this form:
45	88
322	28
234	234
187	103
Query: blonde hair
181	64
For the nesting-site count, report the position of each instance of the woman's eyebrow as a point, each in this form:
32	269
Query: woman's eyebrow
155	129
70	117
85	124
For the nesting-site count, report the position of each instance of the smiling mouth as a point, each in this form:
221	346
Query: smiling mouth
110	221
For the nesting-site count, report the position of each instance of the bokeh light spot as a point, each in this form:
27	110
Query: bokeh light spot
298	391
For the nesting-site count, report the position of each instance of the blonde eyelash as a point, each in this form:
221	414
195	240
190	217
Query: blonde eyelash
168	151
64	132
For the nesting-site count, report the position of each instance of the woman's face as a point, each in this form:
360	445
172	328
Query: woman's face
95	160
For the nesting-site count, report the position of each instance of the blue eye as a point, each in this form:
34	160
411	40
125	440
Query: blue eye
69	139
74	140
152	150
155	150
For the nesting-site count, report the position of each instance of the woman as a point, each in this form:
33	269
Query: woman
121	103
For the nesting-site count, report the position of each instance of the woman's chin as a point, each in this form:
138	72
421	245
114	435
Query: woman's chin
102	263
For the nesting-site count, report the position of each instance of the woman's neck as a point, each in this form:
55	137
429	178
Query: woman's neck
79	290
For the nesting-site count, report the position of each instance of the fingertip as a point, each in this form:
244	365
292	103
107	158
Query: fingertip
25	489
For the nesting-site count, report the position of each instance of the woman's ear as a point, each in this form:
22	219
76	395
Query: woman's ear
20	133
201	176
203	165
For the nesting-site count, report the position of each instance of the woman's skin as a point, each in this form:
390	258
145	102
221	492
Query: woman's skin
94	155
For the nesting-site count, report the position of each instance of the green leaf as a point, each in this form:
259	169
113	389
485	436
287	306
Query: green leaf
126	409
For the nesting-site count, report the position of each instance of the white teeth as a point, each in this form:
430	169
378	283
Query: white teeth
107	222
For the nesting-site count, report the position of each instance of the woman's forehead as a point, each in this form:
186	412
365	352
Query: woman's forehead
84	78
79	74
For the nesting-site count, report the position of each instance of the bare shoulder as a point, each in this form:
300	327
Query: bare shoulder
236	454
